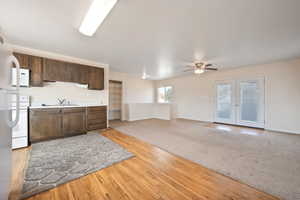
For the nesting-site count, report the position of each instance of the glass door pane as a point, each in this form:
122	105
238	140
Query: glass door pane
224	110
161	95
251	103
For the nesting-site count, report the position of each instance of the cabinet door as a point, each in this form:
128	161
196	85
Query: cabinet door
96	78
75	72
23	59
45	124
84	73
36	78
79	73
55	70
96	118
74	121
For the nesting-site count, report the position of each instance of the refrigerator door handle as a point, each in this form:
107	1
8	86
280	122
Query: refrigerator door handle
13	60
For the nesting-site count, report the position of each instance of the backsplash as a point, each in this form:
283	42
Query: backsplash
75	93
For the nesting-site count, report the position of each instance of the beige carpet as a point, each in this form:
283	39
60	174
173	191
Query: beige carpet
269	162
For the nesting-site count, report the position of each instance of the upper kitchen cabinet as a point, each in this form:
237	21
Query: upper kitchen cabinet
24	60
55	70
96	78
36	66
76	73
79	73
45	69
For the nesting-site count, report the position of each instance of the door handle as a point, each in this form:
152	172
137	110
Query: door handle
13	123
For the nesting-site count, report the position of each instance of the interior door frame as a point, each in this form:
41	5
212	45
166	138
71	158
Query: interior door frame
122	97
261	123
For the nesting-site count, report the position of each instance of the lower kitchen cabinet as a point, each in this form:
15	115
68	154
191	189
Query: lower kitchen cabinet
96	118
45	124
74	120
52	123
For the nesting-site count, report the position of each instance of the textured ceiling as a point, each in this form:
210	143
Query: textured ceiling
160	36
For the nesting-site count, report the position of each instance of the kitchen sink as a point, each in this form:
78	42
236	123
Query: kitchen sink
59	105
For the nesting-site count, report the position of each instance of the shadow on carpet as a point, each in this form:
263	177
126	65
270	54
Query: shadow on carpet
56	162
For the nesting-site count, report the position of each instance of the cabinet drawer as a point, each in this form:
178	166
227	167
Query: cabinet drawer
96	121
96	126
73	110
100	115
41	111
96	109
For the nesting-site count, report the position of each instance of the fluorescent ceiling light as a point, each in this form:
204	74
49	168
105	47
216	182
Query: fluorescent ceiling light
96	15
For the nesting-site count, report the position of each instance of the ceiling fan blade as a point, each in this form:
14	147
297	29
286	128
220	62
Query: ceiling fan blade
208	65
190	66
188	70
211	68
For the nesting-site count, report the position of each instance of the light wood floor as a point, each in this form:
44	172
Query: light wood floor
152	174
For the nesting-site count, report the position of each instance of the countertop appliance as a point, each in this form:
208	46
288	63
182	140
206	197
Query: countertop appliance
24	77
20	131
6	124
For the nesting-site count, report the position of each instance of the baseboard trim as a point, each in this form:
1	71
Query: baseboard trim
266	129
139	119
283	131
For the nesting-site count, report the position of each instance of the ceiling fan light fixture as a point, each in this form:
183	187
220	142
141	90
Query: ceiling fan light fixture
199	71
144	76
96	14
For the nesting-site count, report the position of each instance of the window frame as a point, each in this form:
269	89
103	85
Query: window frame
165	88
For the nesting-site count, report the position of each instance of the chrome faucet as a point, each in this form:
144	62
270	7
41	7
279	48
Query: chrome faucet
61	101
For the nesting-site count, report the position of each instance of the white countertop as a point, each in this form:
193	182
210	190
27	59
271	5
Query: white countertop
66	106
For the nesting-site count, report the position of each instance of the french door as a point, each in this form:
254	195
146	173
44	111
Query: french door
240	102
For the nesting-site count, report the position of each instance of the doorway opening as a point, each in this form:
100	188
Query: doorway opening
115	100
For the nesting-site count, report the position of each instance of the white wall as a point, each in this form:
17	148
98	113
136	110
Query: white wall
134	90
141	111
194	95
51	91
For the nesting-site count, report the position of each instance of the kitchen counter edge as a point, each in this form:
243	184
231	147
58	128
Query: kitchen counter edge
77	106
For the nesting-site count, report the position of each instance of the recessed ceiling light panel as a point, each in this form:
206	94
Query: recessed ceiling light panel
96	14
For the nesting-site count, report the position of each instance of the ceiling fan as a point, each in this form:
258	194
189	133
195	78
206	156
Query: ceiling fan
200	67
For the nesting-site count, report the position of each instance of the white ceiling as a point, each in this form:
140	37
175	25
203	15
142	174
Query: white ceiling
160	36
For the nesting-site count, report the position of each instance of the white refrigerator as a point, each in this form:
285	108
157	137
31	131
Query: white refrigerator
6	121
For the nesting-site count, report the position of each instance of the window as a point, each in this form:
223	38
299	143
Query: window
164	94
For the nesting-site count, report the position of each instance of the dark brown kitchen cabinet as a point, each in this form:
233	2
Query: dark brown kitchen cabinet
96	118
46	69
74	121
96	78
45	124
36	76
52	123
35	65
55	70
24	60
79	73
84	73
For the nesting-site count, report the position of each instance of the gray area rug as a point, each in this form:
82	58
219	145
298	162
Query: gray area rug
269	162
58	161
